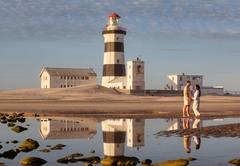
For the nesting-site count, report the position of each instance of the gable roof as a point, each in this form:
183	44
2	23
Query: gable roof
68	71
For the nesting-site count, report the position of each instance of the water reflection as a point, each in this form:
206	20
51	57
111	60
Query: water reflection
116	131
68	128
118	137
187	123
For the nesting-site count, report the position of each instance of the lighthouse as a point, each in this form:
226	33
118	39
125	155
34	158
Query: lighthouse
113	61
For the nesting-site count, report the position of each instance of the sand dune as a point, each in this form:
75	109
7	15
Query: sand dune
98	100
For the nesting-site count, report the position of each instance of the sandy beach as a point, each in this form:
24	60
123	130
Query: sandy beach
98	101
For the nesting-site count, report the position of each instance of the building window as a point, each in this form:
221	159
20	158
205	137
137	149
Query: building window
196	78
117	60
129	76
86	78
61	77
82	78
129	67
188	78
181	78
86	128
61	86
71	77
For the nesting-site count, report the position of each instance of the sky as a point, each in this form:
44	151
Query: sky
195	37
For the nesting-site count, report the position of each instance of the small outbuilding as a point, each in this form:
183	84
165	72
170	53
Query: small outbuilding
67	77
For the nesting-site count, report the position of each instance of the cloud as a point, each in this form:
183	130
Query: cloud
83	20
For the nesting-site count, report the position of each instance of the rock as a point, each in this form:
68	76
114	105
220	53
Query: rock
75	155
177	162
19	129
33	161
28	145
190	159
21	120
87	164
147	161
11	124
73	160
10	154
235	161
1	146
92	151
55	148
120	160
44	150
20	114
4	121
91	159
2	164
63	160
60	145
14	141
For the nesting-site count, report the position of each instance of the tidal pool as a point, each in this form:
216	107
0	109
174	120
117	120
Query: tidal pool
115	137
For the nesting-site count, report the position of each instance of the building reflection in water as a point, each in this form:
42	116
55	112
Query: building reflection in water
177	123
116	131
68	128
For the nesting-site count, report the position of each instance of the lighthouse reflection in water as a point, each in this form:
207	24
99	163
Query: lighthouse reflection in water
116	132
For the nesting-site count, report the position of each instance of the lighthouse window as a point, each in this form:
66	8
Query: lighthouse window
117	60
117	38
86	78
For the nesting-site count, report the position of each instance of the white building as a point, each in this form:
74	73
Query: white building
67	77
177	82
114	72
134	79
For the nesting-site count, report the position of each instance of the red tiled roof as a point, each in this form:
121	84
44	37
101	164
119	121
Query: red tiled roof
114	15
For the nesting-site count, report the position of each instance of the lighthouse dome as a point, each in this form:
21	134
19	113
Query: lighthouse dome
114	15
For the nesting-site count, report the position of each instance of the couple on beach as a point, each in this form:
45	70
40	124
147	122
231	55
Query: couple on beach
187	97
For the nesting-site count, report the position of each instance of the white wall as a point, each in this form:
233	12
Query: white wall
135	75
218	90
60	82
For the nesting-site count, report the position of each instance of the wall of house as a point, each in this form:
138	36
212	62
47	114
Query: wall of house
45	80
177	82
71	81
135	75
66	81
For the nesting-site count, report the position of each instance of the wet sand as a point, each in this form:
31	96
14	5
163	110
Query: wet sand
97	101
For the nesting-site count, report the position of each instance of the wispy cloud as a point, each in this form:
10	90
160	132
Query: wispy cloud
83	20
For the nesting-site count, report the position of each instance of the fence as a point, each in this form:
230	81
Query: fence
235	93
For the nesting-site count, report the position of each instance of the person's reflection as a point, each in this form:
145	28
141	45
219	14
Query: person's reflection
196	137
186	137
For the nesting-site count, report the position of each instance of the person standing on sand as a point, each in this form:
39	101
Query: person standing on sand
187	94
196	101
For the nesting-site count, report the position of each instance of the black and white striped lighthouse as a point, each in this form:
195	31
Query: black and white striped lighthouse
113	63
